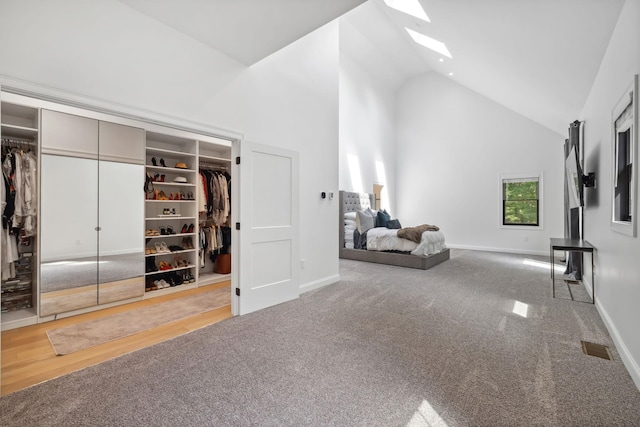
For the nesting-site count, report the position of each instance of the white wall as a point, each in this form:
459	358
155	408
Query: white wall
617	269
453	144
109	54
367	122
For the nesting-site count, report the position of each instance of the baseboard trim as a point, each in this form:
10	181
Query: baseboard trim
627	359
505	250
320	283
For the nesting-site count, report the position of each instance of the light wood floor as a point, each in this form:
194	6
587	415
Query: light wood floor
28	358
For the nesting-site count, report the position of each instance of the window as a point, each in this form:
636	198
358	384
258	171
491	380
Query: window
624	124
521	200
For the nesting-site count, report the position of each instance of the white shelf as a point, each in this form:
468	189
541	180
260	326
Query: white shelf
18	131
173	184
209	278
221	159
166	236
168	201
163	151
165	218
19	318
153	273
169	169
171	253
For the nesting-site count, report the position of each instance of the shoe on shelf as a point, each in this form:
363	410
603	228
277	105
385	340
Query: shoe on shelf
184	229
153	161
151	233
165	248
162	196
170	230
190	195
162	178
162	164
190	229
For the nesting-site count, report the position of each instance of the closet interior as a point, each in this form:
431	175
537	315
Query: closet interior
105	210
19	210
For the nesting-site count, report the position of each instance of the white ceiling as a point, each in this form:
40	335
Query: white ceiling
536	57
245	30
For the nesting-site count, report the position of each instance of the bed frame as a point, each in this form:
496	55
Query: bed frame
353	202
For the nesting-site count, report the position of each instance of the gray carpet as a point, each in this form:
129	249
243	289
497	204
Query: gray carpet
74	273
386	346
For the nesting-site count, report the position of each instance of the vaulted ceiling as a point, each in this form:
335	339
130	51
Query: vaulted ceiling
536	57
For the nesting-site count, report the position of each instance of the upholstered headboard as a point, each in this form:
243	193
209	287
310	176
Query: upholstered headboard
352	202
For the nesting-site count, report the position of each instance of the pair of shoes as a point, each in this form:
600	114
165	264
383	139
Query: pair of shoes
176	248
163	265
158	177
190	195
155	163
162	248
161	196
151	233
161	284
166	231
150	266
150	251
187	277
187	243
179	262
187	229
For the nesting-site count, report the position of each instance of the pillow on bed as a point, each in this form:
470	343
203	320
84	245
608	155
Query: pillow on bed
350	215
365	221
394	224
382	218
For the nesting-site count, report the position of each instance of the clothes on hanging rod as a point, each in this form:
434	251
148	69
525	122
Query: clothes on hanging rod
214	190
18	203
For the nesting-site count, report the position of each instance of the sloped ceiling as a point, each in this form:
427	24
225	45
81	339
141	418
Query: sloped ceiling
536	57
245	30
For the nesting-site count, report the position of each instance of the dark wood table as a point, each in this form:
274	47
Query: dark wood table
572	245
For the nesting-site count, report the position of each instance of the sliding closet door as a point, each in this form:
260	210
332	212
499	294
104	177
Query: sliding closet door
68	245
269	233
121	214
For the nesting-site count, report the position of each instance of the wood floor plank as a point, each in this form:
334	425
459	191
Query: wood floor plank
28	358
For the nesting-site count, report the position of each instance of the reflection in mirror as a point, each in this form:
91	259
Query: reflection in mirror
121	213
68	244
77	196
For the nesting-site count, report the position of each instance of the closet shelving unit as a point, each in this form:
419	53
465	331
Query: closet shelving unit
20	293
183	211
217	157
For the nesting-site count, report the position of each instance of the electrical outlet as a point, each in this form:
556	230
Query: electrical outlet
302	264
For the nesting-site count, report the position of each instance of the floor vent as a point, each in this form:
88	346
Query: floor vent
597	350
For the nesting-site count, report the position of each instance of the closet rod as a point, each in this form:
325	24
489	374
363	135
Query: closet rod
15	140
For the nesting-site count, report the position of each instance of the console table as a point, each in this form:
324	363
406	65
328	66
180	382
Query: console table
572	245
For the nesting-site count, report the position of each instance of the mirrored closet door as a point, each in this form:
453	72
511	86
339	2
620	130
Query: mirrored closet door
92	177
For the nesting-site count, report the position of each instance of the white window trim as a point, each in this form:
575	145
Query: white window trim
522	176
630	96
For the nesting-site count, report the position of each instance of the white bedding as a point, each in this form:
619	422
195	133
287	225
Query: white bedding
385	239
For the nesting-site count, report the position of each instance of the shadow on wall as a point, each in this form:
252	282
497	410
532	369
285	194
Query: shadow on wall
591	196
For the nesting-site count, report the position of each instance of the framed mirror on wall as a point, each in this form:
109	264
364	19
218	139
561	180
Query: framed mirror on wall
624	124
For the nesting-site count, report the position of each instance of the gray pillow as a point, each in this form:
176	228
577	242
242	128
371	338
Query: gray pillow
393	224
364	222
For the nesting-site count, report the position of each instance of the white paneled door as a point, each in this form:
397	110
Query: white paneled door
268	236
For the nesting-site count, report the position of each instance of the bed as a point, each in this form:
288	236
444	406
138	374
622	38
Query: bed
429	252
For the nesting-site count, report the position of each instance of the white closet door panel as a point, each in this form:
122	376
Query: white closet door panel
269	236
69	135
120	143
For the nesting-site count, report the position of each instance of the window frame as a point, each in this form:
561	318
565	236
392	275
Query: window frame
525	177
630	123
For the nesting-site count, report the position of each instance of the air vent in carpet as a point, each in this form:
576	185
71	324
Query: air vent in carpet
597	350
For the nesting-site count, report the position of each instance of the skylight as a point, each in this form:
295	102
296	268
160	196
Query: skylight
410	7
430	43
